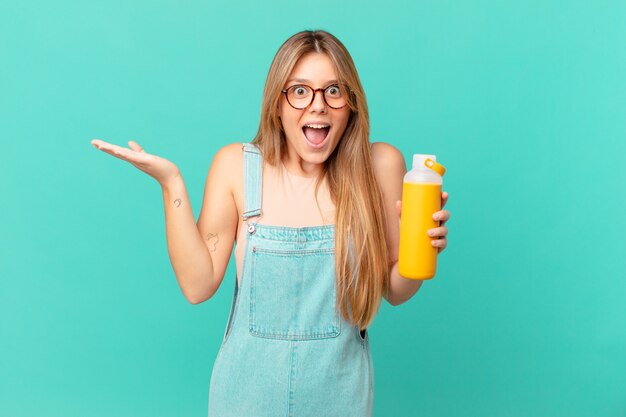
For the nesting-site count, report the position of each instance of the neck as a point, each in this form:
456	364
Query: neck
298	166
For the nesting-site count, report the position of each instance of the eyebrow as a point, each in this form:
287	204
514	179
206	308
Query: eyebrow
302	80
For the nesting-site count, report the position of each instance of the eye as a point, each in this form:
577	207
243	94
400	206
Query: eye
333	91
299	90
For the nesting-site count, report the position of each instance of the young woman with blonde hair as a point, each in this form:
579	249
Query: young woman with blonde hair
313	207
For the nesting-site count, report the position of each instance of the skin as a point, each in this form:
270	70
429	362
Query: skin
314	70
200	251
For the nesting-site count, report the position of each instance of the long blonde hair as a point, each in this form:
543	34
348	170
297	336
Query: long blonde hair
361	257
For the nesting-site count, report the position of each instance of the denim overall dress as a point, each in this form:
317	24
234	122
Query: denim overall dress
286	350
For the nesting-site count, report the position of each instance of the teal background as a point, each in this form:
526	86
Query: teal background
523	102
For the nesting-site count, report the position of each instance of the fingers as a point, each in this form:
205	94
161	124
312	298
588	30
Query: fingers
440	244
442	215
440	241
105	146
111	149
438	232
399	207
119	152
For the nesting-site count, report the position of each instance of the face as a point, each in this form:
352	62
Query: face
308	144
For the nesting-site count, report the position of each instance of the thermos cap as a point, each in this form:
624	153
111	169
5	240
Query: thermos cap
419	159
428	161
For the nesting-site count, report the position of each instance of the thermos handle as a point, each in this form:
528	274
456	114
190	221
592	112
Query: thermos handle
438	168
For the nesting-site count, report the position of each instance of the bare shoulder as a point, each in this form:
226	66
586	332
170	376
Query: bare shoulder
389	169
228	162
229	155
387	160
227	166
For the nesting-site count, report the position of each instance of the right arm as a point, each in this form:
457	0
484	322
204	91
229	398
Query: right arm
219	217
190	259
199	253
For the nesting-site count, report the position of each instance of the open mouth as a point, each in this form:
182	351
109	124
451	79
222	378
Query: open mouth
316	134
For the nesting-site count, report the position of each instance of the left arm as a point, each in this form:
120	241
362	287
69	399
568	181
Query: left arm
390	168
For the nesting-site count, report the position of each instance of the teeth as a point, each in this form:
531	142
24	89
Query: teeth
314	126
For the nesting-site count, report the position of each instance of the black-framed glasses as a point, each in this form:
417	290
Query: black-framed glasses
301	96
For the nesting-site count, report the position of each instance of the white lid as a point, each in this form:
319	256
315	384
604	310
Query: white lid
419	159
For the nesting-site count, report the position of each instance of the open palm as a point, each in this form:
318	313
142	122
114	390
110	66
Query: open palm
158	168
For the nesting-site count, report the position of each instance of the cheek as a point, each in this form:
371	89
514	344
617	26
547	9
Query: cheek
289	118
343	121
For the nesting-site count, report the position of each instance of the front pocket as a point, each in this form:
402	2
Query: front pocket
292	294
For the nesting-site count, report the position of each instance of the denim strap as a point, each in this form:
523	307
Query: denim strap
252	180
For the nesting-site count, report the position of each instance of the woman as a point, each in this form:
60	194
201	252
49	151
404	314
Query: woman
314	209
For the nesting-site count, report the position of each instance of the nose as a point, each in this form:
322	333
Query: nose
318	104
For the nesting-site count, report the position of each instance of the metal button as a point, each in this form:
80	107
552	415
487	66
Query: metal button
251	229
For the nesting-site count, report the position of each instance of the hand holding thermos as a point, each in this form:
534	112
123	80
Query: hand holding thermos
422	230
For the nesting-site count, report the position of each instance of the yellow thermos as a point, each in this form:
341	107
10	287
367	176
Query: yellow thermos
421	198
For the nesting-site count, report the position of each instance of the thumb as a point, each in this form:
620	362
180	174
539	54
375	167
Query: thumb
135	146
399	207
